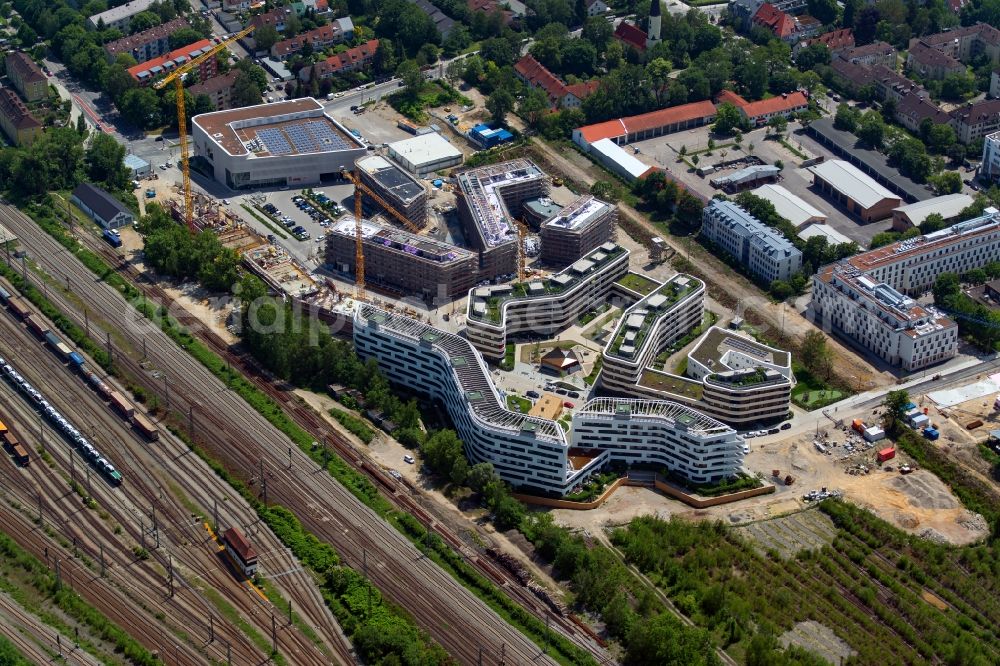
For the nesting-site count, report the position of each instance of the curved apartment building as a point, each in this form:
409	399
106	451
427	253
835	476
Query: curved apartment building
660	433
650	326
729	377
525	451
542	307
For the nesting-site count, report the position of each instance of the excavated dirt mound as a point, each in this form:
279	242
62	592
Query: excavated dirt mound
925	491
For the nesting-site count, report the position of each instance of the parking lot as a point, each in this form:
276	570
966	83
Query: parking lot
664	152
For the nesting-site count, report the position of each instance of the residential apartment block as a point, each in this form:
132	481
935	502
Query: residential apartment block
496	315
577	229
729	376
336	32
16	121
560	94
401	261
489	200
766	253
990	167
120	16
869	297
661	433
148	44
394	186
26	76
353	59
870	55
147	72
219	89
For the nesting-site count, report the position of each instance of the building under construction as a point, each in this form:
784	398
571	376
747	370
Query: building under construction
490	198
577	229
396	187
402	261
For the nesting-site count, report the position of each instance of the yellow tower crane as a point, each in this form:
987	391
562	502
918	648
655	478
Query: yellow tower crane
177	77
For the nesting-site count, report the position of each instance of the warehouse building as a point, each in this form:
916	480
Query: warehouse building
868	298
543	307
764	251
646	125
396	187
577	229
101	207
790	206
290	143
490	198
832	236
401	261
425	154
618	161
948	206
859	194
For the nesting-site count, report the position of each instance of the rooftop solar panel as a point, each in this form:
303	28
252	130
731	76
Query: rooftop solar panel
274	141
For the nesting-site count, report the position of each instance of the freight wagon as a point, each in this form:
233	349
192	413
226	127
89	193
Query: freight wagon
76	360
145	426
119	402
37	326
15	448
18	307
4	295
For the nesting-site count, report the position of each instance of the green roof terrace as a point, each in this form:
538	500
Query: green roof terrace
674	384
634	328
638	283
486	303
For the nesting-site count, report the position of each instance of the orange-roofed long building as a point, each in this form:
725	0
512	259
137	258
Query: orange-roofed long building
147	72
647	125
869	297
759	113
536	75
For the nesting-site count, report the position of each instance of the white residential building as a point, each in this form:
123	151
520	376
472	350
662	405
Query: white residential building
526	451
868	297
531	453
120	16
647	328
990	168
542	307
657	432
766	253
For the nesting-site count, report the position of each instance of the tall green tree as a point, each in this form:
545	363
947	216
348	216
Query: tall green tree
817	356
499	104
894	410
105	162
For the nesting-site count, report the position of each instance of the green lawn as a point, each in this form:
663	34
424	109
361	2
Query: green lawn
513	401
638	283
816	399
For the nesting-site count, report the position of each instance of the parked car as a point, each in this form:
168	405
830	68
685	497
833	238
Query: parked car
786	426
568	405
533	394
408	459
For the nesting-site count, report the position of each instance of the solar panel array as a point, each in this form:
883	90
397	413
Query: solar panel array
274	141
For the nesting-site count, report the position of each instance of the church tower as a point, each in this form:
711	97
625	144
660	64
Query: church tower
653	35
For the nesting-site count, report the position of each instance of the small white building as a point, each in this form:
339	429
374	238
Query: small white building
137	167
618	161
832	236
425	154
790	206
101	207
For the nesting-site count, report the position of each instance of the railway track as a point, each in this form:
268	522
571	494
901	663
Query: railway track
396	492
37	641
186	547
468	629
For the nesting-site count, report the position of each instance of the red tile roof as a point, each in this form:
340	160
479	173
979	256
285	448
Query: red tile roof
835	39
631	35
215	84
775	20
537	75
15	111
341	61
732	98
25	66
583	90
234	537
325	34
184	51
676	114
784	103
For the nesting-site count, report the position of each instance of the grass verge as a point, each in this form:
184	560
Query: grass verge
267	223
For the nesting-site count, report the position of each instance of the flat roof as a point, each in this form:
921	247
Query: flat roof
391	177
852	182
612	151
832	236
579	214
425	149
847	144
549	406
420	247
747	174
717	344
481	187
114	14
631	334
947	206
789	206
292	127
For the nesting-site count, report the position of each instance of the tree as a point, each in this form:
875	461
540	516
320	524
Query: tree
658	73
246	92
946	182
105	162
727	119
940	138
662	640
812	55
598	32
265	37
871	129
817	357
894	410
846	118
499	104
479	475
533	105
778	124
412	78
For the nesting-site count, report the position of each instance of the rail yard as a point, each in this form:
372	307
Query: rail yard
461	623
159	597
